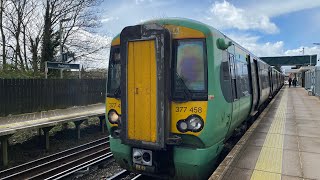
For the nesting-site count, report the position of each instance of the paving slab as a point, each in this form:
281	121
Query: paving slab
283	143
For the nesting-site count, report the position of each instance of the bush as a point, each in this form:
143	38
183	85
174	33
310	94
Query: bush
12	73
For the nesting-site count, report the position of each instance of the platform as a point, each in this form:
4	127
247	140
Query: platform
46	120
283	143
10	124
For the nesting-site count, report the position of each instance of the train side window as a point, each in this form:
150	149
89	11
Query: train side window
233	76
242	79
238	79
225	77
225	70
245	80
225	66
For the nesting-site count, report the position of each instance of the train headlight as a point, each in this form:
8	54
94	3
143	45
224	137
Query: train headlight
113	116
195	123
182	126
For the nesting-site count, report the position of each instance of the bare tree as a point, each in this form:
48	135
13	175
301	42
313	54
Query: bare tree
30	30
34	34
79	15
3	37
14	16
18	14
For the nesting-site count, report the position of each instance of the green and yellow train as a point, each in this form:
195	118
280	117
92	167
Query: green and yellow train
177	90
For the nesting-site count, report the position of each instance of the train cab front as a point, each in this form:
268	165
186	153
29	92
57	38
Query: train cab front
157	100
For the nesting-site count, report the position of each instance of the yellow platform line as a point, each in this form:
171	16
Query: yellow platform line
269	163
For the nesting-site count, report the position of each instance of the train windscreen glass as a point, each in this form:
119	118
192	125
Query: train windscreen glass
190	64
114	73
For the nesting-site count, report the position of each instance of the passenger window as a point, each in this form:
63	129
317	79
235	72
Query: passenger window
190	64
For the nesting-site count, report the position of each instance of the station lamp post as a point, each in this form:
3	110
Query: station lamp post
61	44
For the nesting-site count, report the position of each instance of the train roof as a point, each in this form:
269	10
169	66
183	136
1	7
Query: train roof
206	29
180	22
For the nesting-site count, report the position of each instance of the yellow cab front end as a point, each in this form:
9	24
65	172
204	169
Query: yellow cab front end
157	99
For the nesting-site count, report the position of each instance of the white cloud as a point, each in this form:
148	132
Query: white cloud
91	50
269	48
225	15
111	18
142	1
307	51
273	8
259	49
130	13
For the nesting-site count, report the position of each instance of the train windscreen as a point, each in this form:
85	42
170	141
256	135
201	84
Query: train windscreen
190	67
114	73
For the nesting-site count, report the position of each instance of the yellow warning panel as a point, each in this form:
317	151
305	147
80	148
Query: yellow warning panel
142	91
115	42
262	175
181	32
180	111
115	104
269	163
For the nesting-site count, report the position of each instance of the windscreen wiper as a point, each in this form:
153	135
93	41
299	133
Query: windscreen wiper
187	93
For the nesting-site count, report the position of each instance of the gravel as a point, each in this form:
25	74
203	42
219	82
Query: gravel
102	172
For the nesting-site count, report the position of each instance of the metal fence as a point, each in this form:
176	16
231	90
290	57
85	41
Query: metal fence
308	76
32	95
312	80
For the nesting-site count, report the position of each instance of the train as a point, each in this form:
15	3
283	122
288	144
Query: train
177	90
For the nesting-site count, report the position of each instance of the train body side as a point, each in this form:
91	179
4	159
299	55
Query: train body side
238	86
264	82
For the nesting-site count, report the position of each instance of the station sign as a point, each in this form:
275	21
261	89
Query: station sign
60	65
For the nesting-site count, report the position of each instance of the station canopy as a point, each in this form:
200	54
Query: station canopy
279	61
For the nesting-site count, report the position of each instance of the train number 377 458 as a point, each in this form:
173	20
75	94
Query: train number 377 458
188	109
114	105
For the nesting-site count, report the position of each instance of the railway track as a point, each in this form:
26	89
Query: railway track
124	174
62	164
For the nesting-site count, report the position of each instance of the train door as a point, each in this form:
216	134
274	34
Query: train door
271	75
145	57
256	70
235	95
253	84
142	90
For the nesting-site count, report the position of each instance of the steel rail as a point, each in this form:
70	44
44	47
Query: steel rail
57	171
43	163
123	174
82	166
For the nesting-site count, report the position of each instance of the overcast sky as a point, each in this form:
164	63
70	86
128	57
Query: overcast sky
265	27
